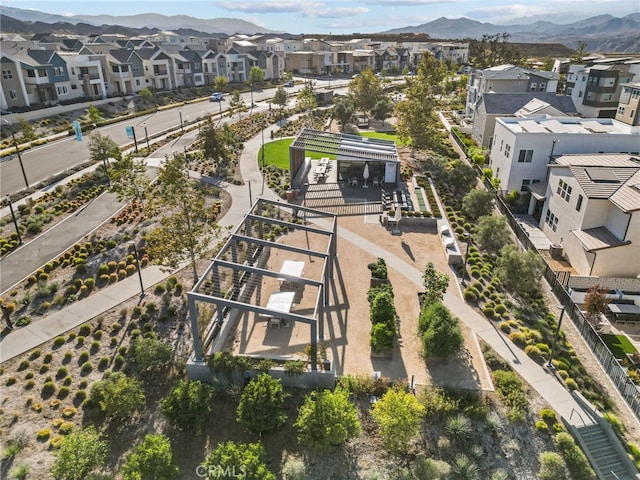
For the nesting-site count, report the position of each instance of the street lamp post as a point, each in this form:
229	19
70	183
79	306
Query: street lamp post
181	125
146	136
555	337
262	153
135	251
15	144
13	217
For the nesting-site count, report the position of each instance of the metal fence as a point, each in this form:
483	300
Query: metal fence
558	281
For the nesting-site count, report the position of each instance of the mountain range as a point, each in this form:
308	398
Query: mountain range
602	33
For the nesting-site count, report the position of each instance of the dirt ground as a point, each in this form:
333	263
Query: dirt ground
347	329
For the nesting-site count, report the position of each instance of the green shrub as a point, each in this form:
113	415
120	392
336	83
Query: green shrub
87	367
574	458
382	336
84	330
48	389
519	338
534	353
470	295
378	268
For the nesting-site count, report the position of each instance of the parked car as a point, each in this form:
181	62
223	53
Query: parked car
357	75
216	97
288	84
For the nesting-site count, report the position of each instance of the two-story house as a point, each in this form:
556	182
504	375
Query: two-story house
629	105
523	147
495	105
592	209
596	89
507	79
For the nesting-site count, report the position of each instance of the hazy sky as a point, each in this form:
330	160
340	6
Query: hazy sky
340	16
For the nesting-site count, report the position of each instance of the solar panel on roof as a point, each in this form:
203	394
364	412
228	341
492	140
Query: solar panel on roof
532	127
602	175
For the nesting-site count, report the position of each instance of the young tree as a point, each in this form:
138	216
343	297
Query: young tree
327	419
306	99
417	120
492	233
118	396
478	203
519	271
280	98
151	355
94	114
236	104
231	460
365	91
261	404
215	145
220	83
461	178
101	148
80	453
256	75
398	415
493	50
382	109
187	227
580	53
595	304
129	180
146	94
28	132
189	404
442	337
151	460
343	111
435	284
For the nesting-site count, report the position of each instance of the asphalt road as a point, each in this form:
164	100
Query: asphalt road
42	162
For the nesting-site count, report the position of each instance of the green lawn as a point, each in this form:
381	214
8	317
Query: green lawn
618	344
277	152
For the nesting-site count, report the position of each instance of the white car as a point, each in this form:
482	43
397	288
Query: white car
216	97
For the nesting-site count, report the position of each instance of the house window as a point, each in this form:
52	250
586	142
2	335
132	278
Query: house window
501	144
137	82
580	94
631	113
135	67
620	110
7	74
543	87
551	220
533	87
606	97
507	150
564	190
569	90
115	69
525	156
525	183
58	72
31	73
62	90
579	203
13	94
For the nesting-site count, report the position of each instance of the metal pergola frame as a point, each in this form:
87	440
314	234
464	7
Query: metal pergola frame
245	272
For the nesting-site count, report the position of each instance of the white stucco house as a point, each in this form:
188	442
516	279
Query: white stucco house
592	208
523	147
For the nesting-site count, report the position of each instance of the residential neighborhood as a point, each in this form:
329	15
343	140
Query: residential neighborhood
340	256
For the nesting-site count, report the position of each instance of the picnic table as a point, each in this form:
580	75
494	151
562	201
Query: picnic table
279	302
292	268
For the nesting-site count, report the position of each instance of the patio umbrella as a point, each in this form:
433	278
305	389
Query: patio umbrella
365	174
